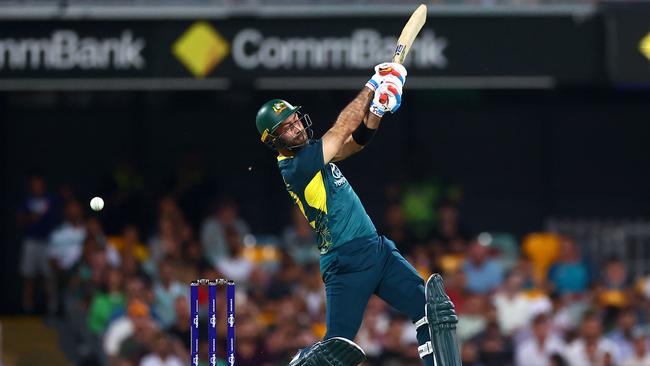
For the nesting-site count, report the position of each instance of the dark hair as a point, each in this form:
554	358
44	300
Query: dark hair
558	360
613	259
540	318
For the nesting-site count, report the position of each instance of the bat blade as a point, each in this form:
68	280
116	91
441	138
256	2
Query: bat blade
409	32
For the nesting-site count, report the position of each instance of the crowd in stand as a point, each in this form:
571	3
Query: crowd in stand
123	294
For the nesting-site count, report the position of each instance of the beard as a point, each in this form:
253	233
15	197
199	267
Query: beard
299	139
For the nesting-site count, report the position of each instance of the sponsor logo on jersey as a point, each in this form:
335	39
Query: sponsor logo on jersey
339	179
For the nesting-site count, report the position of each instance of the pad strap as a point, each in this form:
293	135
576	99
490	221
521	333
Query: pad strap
421	322
425	349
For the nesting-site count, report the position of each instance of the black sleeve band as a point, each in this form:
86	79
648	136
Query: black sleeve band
362	135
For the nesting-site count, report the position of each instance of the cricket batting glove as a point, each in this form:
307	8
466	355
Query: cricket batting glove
388	98
387	71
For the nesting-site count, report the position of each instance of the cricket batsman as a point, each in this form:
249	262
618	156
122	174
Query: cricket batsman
355	261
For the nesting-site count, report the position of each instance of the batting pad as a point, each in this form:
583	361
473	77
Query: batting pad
442	320
335	351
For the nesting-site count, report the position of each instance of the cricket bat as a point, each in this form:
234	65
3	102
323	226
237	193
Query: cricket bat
409	32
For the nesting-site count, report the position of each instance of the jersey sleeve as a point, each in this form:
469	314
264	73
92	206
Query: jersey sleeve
306	163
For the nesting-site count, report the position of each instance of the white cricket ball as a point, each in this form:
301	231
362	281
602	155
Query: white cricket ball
97	203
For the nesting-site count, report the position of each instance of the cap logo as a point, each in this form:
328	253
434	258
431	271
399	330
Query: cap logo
279	107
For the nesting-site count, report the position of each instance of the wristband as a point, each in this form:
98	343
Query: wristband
362	135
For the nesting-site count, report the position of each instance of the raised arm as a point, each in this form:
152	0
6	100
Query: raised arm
348	121
355	126
359	138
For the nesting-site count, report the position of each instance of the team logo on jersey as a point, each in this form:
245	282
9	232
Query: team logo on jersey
339	179
279	107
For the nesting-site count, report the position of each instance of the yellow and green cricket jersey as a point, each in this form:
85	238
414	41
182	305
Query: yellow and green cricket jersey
325	198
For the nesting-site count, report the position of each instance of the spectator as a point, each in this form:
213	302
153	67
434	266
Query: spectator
392	353
373	328
181	327
449	227
235	266
472	320
640	356
451	259
567	311
311	291
162	354
512	304
129	245
420	257
538	349
395	227
105	303
612	294
285	280
87	276
135	288
494	348
138	317
36	216
569	274
137	345
64	249
95	230
192	259
174	231
288	332
469	355
213	230
557	360
66	241
166	290
250	332
623	334
483	273
591	349
300	240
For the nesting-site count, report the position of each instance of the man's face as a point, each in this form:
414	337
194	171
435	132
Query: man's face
292	131
73	212
541	329
591	329
37	186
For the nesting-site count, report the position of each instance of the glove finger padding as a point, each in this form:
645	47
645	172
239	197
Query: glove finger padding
386	71
393	69
388	98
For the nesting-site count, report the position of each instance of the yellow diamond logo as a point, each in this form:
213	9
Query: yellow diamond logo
644	46
201	48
